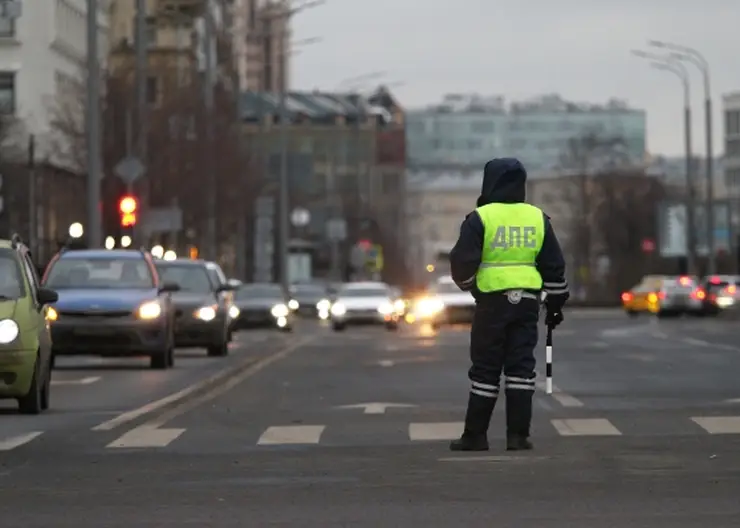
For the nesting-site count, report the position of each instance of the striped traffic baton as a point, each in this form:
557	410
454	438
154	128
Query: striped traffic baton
548	361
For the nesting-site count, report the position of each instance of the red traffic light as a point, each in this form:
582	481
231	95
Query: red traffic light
364	244
128	205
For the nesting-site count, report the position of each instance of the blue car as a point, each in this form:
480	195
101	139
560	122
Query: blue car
111	304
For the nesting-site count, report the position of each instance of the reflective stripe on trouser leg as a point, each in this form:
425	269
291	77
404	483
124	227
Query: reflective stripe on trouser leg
515	383
484	389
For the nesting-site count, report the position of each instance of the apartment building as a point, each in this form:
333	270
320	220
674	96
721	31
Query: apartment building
42	60
263	35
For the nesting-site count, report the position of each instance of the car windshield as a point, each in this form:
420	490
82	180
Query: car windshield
308	290
259	291
91	273
363	292
445	287
189	278
11	278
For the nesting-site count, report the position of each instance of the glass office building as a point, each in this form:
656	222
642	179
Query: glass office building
468	130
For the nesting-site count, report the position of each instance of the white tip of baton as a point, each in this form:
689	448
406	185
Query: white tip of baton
548	354
548	386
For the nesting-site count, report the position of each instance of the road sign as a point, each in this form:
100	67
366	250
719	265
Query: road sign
129	169
336	229
300	217
162	220
376	408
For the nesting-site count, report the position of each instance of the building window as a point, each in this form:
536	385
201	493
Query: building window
732	148
7	27
150	32
152	90
7	92
732	122
732	178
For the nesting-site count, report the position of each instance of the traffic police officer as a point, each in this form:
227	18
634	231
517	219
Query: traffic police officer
506	255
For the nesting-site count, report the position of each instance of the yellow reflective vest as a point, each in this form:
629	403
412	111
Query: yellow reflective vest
512	238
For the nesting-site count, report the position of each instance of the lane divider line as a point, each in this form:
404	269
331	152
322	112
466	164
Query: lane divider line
247	368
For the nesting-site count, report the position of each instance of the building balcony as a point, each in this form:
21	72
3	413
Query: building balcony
188	8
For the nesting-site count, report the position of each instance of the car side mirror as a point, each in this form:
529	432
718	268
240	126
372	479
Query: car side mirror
46	296
169	287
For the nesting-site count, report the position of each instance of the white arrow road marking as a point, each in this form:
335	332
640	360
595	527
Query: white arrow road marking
11	443
376	408
84	381
386	363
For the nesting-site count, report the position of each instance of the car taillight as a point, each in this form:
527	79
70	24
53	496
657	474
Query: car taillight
661	295
626	297
714	280
732	289
684	281
653	298
698	294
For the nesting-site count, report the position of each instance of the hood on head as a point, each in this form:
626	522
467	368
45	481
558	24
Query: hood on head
504	181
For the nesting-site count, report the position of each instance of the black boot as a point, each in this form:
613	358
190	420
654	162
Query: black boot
477	420
518	419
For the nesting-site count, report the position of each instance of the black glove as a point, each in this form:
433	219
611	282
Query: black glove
554	316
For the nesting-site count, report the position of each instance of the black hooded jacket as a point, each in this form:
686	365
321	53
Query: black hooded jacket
504	181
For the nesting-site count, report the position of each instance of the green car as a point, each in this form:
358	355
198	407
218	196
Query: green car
25	338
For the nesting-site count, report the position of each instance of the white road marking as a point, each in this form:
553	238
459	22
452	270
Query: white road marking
386	363
17	441
598	344
291	434
491	458
696	342
585	427
84	381
435	431
179	396
376	408
718	424
659	335
146	437
624	331
566	400
391	347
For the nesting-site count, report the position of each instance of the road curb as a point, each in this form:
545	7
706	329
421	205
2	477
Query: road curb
223	377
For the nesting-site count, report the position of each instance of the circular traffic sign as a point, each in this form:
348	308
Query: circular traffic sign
300	217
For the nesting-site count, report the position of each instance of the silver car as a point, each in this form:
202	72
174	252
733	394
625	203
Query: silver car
364	303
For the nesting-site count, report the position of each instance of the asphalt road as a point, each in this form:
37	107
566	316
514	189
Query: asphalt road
319	429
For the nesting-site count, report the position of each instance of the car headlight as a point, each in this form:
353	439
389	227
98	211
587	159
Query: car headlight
386	308
51	314
428	307
149	310
280	310
399	305
323	305
234	312
293	304
206	313
8	331
338	309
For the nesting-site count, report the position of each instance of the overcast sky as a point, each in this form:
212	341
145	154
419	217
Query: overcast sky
578	48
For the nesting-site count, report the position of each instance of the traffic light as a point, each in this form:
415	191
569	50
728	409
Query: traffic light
128	207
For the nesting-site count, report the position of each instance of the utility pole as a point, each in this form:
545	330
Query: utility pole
693	56
32	198
284	195
92	126
210	172
142	101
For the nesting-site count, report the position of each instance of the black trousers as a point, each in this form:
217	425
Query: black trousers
503	338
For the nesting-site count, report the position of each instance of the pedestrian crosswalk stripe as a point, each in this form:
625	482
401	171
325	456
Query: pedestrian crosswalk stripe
291	434
718	424
11	443
435	431
143	437
585	427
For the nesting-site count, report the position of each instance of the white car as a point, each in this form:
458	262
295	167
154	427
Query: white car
445	304
364	303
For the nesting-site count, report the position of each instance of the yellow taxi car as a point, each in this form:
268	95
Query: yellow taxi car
663	295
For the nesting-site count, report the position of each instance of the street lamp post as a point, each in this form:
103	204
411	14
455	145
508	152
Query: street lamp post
693	56
671	64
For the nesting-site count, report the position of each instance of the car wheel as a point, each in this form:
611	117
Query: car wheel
391	327
161	360
46	390
436	326
632	313
339	327
31	402
220	350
